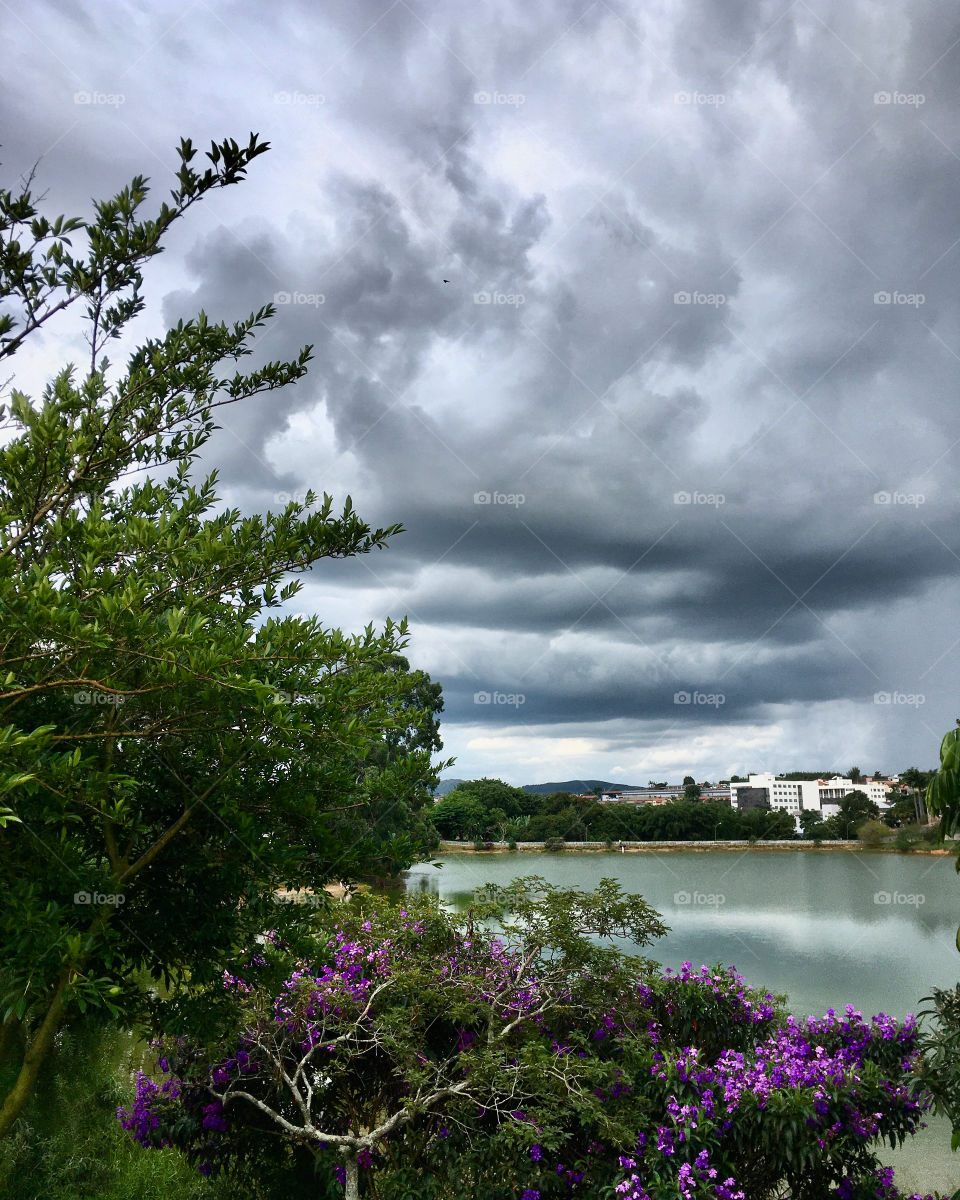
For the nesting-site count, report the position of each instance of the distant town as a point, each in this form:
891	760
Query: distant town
793	793
767	790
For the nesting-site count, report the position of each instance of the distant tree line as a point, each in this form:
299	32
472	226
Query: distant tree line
490	810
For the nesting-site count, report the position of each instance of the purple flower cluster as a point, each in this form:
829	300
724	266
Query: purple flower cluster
725	985
143	1116
699	1050
822	1059
884	1189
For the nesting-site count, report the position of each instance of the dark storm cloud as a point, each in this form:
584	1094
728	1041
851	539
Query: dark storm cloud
705	252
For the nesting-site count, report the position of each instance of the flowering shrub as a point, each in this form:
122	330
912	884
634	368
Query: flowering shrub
940	1069
713	1008
505	1053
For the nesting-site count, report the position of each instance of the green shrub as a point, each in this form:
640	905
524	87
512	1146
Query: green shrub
69	1145
874	833
554	844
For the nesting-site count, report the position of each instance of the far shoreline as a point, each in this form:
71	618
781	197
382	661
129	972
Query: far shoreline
448	847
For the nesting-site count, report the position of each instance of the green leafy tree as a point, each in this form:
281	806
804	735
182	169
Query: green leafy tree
913	777
439	1026
942	1021
811	819
902	810
917	782
421	703
172	750
874	833
855	808
484	809
496	824
771	825
494	793
458	815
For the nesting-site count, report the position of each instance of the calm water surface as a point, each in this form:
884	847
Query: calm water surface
828	929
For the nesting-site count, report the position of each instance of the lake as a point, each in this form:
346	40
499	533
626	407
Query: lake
828	928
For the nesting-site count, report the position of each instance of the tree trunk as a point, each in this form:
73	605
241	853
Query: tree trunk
352	1191
38	1047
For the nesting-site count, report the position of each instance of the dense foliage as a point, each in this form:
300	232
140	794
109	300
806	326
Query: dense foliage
68	1144
942	1040
504	1052
172	750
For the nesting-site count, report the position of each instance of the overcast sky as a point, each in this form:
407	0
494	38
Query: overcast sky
682	425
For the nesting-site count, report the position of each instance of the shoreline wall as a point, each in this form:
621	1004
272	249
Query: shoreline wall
449	847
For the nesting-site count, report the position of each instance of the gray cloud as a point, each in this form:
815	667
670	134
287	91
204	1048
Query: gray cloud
690	252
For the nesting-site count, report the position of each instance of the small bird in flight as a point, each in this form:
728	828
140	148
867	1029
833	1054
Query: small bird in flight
446	281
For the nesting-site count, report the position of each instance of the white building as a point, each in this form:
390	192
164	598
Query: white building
795	795
663	795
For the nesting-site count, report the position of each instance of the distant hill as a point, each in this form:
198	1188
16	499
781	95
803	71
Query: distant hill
579	787
447	785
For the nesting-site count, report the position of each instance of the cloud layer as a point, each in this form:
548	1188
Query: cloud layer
683	420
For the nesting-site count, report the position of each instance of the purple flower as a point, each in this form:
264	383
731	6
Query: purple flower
213	1117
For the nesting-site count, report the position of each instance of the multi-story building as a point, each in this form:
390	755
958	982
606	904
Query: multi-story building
795	795
646	795
663	795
